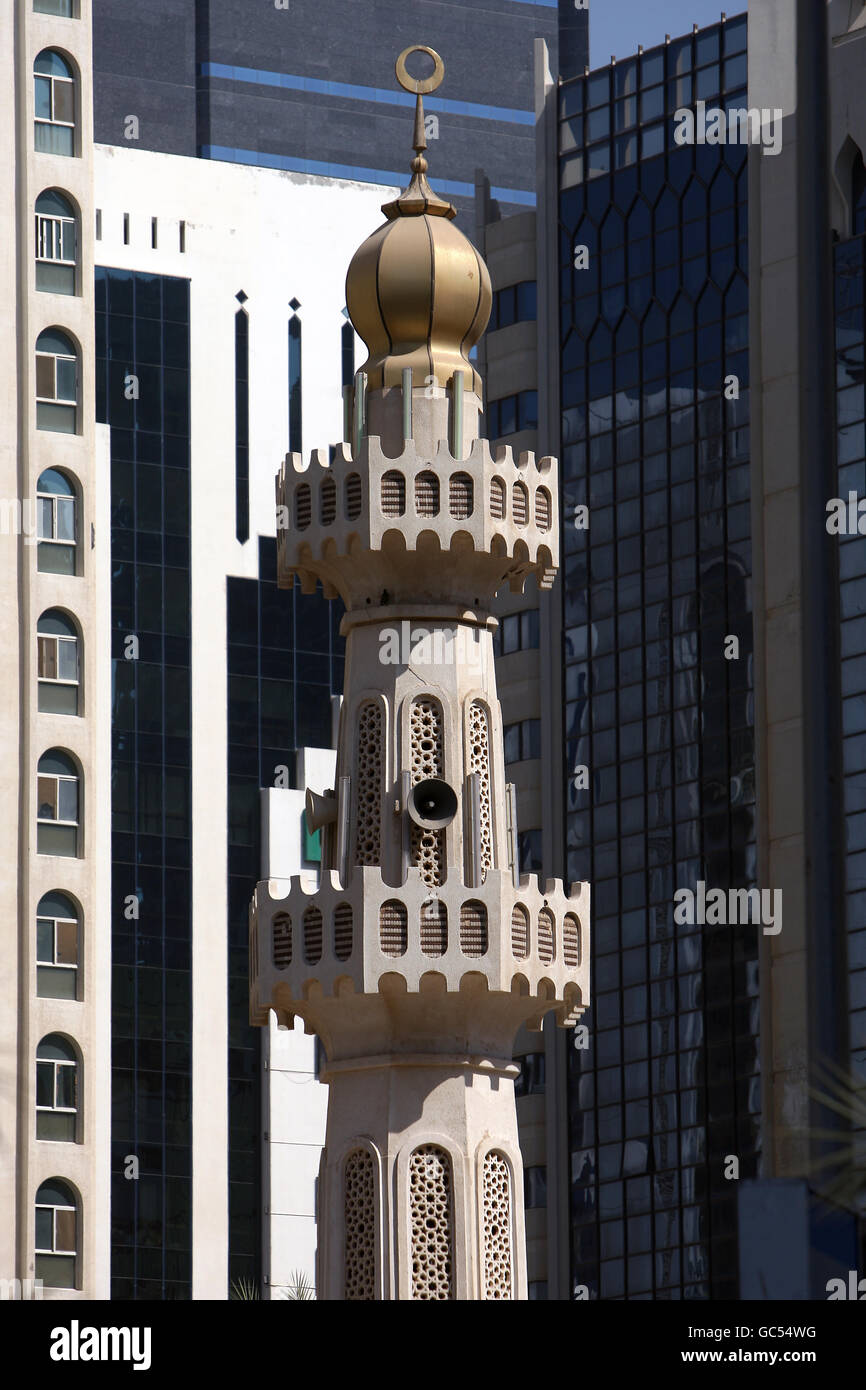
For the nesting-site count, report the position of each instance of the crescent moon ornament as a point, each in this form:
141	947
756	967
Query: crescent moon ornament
419	85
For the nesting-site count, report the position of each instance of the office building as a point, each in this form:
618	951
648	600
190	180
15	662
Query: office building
300	85
693	1146
206	274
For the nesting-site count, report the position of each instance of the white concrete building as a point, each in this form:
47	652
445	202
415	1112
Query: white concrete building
272	237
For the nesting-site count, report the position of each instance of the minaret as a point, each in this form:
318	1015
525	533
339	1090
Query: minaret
422	951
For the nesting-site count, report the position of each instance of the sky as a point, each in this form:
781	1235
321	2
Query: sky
618	26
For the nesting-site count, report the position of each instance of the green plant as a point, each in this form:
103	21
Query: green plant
300	1288
244	1290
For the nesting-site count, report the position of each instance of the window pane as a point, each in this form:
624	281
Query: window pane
510	634
66	1087
532	738
45	376
68	803
66	1231
65	519
45	940
64	101
508	415
47	798
47	658
65	379
43	97
67	240
45	1083
54	983
67	943
44	1228
45	519
67	664
511	740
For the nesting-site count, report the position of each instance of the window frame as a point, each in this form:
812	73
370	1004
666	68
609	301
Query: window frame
54	538
55	922
56	220
58	780
51	78
43	639
57	357
56	1085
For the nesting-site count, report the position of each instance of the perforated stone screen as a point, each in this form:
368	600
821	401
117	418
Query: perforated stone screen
359	1220
496	1227
431	1223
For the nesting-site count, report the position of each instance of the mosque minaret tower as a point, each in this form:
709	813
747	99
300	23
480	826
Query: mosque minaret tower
422	950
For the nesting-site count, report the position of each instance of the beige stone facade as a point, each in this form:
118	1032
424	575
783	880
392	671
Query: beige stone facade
54	570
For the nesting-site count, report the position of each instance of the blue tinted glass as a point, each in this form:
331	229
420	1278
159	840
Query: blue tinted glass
508	415
598	124
652	103
598	88
527	300
707	47
52	63
652	69
42	98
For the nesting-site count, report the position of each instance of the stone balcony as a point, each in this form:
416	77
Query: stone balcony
372	524
327	945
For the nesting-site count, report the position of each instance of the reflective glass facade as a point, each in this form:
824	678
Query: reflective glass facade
142	392
652	592
285	660
850	278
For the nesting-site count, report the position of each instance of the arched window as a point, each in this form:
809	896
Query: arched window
461	496
56	1089
473	929
54	104
344	931
56	523
327	502
313	933
303	507
57	642
354	496
393	493
56	1235
393	928
56	382
57	830
66	9
282	941
427	494
57	947
56	243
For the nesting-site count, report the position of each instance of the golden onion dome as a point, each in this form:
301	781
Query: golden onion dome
417	291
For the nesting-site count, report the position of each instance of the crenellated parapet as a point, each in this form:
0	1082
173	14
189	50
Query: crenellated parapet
365	524
527	940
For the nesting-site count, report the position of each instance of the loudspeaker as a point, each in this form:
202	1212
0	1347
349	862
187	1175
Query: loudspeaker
432	804
321	810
